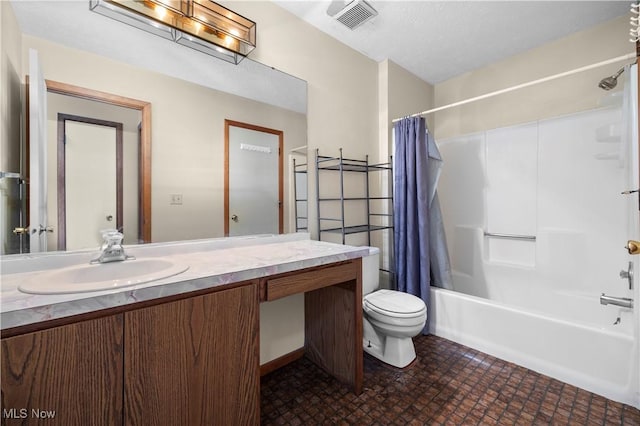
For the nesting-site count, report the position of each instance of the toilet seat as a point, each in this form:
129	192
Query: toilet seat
395	308
395	304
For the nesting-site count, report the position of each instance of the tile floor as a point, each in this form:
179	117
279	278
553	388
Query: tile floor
449	384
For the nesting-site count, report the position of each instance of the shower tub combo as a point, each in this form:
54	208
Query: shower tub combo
601	358
553	188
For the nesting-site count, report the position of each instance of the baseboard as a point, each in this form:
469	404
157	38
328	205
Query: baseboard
281	361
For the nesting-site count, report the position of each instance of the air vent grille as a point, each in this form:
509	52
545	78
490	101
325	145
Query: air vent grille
356	14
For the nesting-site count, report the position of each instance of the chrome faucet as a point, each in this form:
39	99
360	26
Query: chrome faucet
624	302
112	250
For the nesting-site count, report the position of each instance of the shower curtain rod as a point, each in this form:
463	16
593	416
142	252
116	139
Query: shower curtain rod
521	86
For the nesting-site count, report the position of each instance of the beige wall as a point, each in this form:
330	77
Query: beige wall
342	100
10	73
187	134
341	83
342	112
10	125
562	96
342	95
401	93
188	157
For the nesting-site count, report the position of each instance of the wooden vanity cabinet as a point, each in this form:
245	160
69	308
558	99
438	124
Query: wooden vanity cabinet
191	361
195	361
187	359
67	375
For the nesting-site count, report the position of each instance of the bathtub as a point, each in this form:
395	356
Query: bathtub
600	359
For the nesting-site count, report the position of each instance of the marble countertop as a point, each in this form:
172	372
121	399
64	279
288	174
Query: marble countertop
212	263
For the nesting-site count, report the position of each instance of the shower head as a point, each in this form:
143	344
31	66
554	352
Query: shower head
609	83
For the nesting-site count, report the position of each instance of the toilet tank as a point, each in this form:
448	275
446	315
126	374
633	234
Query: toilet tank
370	270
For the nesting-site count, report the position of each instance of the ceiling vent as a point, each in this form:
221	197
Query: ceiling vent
351	14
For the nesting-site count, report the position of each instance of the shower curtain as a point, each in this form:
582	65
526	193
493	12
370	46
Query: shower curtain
421	256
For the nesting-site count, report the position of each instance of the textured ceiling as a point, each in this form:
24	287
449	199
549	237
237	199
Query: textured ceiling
438	40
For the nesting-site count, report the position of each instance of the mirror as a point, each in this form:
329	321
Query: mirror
191	94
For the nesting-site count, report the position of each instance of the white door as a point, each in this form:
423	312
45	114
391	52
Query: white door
37	155
90	183
254	187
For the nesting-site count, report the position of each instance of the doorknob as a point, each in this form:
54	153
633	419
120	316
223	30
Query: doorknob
109	218
20	231
633	247
234	218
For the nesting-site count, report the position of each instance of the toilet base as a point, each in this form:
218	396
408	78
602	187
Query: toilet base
396	351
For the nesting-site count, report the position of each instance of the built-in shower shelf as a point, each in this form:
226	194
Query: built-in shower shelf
610	133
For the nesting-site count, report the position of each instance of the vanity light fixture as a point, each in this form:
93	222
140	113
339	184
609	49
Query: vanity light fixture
200	24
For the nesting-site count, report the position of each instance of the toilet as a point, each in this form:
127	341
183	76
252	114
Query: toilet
391	318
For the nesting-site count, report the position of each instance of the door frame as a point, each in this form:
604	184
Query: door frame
144	185
62	171
228	123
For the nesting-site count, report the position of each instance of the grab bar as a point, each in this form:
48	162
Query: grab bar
510	236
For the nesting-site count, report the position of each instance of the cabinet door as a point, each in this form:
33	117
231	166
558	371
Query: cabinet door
68	375
194	361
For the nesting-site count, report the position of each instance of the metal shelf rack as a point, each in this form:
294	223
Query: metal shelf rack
300	196
337	224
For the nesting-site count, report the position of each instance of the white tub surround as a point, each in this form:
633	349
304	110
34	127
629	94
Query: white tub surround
212	263
537	221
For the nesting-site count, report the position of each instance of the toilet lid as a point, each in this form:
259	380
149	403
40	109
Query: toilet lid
394	302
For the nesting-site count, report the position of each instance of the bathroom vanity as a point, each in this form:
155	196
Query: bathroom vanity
181	350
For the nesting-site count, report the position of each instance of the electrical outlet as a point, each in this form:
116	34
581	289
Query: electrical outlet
176	199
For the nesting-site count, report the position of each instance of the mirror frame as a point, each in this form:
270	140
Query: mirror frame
145	138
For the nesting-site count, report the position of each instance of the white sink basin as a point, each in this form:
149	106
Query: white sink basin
102	276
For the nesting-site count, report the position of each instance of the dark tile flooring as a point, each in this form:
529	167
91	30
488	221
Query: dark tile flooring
449	384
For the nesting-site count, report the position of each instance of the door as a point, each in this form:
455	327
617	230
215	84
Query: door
89	168
37	178
253	180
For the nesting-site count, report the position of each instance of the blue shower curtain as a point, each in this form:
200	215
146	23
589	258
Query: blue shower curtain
416	212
